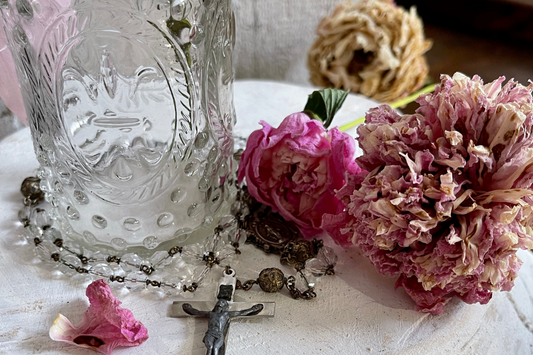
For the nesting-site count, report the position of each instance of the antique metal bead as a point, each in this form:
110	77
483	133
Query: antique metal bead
31	191
271	280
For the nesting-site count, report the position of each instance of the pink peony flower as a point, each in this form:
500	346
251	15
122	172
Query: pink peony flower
105	325
296	168
447	200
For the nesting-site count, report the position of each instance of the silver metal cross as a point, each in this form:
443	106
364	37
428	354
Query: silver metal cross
223	311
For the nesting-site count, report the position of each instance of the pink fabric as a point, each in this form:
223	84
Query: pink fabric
9	86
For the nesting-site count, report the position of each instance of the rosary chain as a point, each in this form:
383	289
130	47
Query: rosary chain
295	253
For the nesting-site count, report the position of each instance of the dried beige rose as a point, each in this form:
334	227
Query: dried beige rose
370	47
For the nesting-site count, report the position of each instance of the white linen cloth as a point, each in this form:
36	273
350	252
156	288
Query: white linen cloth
356	312
274	36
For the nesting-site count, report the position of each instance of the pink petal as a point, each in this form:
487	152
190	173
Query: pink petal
105	326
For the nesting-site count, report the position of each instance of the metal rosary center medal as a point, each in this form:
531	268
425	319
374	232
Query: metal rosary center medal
223	311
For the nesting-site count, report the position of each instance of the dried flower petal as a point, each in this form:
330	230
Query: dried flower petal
105	325
372	47
447	200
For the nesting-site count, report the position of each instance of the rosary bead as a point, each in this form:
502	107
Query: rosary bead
136	281
271	280
102	270
24	214
31	190
131	262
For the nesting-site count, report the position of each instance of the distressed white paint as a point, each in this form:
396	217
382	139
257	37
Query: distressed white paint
356	312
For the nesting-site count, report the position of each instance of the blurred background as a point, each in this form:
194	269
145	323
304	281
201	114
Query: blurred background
490	38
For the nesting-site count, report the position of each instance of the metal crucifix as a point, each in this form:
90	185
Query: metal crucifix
222	313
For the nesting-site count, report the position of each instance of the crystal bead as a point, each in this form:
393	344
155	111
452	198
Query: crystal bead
200	273
33	231
43	252
211	243
316	266
102	270
227	222
192	253
40	217
52	234
305	279
178	10
237	236
24	213
174	281
328	255
118	271
203	185
73	247
136	281
160	259
58	188
73	262
226	252
130	262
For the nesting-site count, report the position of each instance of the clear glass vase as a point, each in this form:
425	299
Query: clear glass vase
130	106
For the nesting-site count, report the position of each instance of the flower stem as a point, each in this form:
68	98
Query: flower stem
396	104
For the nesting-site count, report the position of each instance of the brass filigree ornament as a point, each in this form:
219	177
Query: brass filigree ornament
263	228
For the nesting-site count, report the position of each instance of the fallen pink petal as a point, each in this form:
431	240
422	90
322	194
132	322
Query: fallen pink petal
105	325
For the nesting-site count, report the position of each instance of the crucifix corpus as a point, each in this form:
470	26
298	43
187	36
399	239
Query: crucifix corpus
223	311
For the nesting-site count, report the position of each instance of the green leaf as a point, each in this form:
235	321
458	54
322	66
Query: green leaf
323	104
175	28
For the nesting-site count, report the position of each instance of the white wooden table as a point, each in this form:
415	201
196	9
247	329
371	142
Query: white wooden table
356	312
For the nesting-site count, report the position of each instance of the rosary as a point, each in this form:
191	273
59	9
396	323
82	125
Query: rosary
184	269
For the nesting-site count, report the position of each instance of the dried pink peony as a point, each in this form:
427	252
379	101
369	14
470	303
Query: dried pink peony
105	326
447	200
296	168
